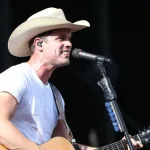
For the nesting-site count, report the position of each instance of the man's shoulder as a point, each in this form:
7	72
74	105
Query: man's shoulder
14	70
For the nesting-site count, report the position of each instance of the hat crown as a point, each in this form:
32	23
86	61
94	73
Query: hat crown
49	12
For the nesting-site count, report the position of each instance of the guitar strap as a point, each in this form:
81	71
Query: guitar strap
59	105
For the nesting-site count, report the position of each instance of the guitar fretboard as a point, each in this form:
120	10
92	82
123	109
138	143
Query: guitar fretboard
120	145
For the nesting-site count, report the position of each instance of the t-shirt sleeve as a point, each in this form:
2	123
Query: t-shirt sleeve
14	82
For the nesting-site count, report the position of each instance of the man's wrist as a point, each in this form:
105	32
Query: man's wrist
80	146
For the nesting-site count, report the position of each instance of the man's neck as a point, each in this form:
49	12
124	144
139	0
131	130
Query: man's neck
43	71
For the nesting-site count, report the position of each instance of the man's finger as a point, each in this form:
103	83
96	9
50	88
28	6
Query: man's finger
136	144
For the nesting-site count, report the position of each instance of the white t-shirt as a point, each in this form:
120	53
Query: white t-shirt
36	114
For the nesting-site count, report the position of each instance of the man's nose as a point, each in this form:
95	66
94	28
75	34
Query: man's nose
68	44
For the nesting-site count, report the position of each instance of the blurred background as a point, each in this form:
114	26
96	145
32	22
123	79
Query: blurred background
119	31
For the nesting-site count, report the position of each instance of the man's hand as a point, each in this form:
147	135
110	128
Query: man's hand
136	144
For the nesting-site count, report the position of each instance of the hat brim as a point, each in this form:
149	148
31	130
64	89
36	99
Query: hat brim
18	43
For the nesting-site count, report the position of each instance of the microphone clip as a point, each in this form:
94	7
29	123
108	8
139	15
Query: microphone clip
101	68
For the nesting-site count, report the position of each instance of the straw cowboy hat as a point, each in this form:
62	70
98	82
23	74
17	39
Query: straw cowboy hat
45	20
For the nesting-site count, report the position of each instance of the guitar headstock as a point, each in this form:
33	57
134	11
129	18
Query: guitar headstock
144	136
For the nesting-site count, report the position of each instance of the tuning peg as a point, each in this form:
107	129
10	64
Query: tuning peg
144	129
148	129
139	131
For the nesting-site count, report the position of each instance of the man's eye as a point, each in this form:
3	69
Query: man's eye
61	38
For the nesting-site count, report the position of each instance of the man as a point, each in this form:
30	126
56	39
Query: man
29	115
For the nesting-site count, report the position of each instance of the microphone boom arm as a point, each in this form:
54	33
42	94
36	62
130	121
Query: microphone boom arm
111	104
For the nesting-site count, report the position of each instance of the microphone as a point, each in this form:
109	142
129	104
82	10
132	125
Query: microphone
80	54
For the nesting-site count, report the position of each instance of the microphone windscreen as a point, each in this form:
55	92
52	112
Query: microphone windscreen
75	52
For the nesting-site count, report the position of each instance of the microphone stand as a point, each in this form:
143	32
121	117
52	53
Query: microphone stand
111	104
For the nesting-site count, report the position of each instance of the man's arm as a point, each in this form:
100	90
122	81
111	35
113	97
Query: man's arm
10	136
78	146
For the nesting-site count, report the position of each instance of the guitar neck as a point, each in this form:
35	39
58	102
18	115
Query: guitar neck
119	145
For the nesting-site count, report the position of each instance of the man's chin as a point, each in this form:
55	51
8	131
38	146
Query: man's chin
64	64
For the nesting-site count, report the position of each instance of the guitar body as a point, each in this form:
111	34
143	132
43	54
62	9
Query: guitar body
3	148
56	143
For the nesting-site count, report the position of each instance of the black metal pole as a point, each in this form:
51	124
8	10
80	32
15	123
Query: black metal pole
111	97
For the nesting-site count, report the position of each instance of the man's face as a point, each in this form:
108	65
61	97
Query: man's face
57	47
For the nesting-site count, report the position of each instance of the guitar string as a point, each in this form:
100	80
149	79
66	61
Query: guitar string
119	144
116	145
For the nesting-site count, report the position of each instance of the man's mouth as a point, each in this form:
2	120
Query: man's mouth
66	52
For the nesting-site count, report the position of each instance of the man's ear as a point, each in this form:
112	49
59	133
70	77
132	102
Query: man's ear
38	43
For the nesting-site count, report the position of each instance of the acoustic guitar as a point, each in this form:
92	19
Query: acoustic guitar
60	143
